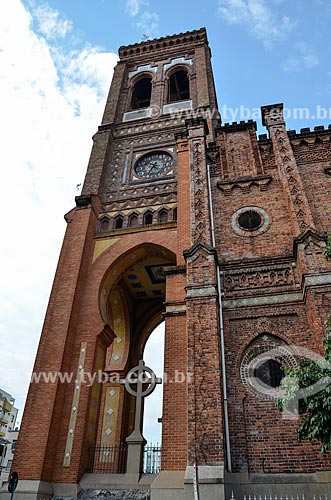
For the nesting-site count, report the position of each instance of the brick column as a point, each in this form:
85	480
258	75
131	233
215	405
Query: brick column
42	419
175	386
183	197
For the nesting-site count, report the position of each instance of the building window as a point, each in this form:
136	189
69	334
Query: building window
104	224
133	220
118	222
141	95
163	217
270	372
13	446
8	466
174	214
148	219
179	87
249	220
262	366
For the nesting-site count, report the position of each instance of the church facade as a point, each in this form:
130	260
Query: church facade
218	232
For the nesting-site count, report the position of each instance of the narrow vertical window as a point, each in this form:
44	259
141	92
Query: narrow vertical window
141	95
133	220
179	88
163	217
118	222
148	219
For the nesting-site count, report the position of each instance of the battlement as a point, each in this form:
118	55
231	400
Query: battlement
236	126
186	39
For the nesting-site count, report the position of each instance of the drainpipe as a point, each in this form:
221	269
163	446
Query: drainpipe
219	292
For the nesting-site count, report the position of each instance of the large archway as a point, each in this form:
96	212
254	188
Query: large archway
132	303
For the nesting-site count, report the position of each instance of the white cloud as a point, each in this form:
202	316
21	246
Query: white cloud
306	58
148	23
259	17
50	23
50	108
132	7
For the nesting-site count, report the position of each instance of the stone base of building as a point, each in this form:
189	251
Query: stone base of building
168	485
211	483
278	485
30	490
214	484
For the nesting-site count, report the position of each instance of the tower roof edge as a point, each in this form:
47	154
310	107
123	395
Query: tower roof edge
187	38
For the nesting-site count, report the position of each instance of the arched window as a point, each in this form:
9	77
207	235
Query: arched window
163	216
133	220
141	95
179	87
118	222
148	218
174	214
104	224
262	365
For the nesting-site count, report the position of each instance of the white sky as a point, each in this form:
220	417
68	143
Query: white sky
51	102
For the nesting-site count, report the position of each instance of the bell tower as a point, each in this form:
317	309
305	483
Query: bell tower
137	250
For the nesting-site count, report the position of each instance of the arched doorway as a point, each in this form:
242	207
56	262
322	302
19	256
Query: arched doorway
132	303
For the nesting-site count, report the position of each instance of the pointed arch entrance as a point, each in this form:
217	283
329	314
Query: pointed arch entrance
131	301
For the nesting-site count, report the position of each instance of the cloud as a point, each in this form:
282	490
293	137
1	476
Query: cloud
258	17
50	23
51	101
132	7
306	58
148	23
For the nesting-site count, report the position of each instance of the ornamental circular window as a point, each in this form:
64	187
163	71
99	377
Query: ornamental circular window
262	366
250	221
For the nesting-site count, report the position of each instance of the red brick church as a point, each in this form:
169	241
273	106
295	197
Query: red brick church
218	232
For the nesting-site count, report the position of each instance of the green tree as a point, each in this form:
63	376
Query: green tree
307	389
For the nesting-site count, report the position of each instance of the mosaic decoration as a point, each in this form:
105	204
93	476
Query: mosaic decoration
74	406
108	435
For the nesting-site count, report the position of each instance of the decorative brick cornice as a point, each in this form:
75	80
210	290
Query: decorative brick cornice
307	235
182	40
245	183
197	121
197	247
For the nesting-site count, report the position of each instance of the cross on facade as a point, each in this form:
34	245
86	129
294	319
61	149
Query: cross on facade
144	381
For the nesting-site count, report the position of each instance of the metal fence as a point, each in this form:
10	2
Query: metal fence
152	459
280	497
112	459
107	459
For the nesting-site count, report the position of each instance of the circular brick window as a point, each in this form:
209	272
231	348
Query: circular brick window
262	366
250	221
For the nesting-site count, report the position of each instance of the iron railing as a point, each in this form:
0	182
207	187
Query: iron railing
283	496
152	459
112	459
107	459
